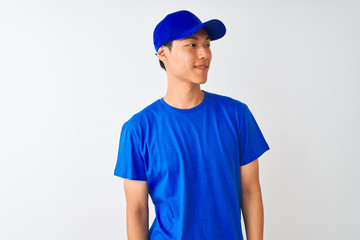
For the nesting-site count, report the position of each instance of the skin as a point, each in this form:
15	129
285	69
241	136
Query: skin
184	78
251	201
137	211
187	66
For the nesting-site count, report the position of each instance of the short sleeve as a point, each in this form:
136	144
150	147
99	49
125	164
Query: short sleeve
130	162
252	141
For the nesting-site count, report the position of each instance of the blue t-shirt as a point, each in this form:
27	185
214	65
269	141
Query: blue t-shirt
191	160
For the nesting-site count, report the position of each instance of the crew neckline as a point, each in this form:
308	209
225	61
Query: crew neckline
183	110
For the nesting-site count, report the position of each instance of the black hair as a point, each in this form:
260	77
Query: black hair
169	46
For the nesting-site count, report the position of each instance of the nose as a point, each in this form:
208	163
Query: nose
204	52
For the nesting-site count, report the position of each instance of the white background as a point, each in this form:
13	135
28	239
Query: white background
72	72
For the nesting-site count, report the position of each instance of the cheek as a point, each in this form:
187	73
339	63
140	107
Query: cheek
187	60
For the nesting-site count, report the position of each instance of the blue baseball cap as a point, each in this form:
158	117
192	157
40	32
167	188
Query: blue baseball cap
182	24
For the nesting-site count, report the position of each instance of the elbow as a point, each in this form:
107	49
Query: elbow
137	210
251	190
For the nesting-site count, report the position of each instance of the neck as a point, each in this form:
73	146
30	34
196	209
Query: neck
183	95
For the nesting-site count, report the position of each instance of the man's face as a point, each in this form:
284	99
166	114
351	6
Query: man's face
190	57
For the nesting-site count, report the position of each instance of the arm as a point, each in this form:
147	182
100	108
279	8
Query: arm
251	201
137	211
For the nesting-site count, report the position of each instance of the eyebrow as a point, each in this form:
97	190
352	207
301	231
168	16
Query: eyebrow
195	38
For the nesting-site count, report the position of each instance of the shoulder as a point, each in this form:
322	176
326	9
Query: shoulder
228	102
141	119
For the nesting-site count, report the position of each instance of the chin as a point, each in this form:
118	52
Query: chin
200	81
204	81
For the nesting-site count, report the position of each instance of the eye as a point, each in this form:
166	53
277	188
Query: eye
192	45
207	45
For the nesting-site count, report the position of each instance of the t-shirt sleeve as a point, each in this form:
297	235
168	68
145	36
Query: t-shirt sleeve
252	141
130	162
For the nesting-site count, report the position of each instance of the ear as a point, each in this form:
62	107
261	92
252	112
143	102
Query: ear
162	53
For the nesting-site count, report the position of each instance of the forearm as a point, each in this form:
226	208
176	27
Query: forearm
253	213
137	224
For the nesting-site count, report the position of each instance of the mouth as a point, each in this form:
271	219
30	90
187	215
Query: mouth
202	67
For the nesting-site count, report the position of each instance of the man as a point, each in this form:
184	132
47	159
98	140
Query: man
194	152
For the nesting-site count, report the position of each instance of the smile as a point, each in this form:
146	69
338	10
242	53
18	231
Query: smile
202	67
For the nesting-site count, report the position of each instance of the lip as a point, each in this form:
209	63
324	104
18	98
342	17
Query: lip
202	67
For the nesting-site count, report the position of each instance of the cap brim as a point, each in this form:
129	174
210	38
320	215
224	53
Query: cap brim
215	28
